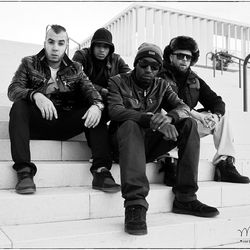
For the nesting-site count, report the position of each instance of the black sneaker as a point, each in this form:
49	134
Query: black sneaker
25	184
104	181
194	208
135	220
226	171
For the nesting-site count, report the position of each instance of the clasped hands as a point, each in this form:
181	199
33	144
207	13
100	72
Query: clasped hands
92	116
162	123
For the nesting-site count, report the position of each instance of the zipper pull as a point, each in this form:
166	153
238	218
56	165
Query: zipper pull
145	93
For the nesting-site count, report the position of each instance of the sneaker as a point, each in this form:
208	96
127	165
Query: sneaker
135	220
226	171
25	184
194	208
104	181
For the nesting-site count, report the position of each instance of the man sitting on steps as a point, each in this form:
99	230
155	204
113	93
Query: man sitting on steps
54	100
182	53
142	133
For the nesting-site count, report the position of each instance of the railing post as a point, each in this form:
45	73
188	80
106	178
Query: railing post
245	104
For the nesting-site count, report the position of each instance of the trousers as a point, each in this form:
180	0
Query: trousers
26	122
137	145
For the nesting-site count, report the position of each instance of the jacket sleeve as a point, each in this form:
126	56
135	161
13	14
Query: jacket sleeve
210	100
18	88
80	58
87	88
175	106
117	111
123	67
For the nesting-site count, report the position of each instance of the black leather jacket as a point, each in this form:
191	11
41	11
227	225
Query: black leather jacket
33	75
194	90
127	101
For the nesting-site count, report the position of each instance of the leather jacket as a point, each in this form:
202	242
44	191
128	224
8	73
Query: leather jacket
115	65
194	90
127	101
33	75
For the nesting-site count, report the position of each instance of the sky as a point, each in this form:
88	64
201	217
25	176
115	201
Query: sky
26	21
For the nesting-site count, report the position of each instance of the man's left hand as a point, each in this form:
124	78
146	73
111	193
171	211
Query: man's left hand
158	120
92	117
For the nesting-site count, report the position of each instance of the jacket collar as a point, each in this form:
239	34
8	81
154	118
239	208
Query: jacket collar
65	61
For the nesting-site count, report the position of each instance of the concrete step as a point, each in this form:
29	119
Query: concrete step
165	230
78	203
76	173
50	150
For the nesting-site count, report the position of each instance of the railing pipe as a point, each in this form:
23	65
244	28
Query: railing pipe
245	94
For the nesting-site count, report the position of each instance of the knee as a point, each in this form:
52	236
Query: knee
128	128
189	124
19	109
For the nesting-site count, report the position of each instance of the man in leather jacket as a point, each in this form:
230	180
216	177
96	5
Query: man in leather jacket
53	99
182	53
143	133
99	63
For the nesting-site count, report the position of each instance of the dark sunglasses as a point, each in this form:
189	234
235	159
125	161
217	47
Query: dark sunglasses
153	65
181	56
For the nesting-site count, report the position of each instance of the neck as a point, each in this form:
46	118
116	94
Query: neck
54	65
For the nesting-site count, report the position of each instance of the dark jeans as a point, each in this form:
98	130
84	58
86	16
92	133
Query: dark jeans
26	123
137	146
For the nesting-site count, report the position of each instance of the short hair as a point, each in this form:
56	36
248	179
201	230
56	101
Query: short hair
56	28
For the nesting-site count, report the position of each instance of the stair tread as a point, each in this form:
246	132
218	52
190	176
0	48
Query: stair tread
162	228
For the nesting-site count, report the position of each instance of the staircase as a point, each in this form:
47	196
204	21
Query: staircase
66	213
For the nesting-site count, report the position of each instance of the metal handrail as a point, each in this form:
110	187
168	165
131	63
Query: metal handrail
245	99
71	39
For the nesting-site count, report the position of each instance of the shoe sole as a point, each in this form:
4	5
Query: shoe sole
136	232
107	190
26	191
219	180
179	211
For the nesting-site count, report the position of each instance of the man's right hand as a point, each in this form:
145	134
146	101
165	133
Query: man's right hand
170	132
46	106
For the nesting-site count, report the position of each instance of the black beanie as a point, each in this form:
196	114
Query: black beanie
182	43
149	50
102	35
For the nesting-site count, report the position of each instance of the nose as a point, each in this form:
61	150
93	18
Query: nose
55	47
148	69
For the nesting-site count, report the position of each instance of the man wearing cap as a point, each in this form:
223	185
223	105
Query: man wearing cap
182	53
99	63
143	133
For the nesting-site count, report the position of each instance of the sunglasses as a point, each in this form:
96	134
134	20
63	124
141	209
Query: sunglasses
181	56
153	65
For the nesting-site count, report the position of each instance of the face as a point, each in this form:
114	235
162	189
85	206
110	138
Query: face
55	46
181	59
146	69
101	50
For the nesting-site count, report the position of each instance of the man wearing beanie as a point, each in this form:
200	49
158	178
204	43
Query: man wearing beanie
143	133
182	53
99	62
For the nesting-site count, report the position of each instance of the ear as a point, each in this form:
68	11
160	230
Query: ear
171	58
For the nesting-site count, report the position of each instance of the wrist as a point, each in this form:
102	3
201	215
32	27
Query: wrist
100	106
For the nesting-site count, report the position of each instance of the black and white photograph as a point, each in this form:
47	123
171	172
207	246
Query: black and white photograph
124	124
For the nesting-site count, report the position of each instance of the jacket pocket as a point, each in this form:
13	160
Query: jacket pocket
131	103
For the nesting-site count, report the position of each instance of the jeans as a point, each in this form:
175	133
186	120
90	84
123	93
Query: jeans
26	123
137	145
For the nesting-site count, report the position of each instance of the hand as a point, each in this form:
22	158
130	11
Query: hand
46	106
212	120
207	120
158	120
92	116
170	132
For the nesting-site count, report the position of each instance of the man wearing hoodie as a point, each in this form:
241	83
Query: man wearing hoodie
182	53
99	63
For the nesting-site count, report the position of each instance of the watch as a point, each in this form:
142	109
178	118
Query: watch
100	105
